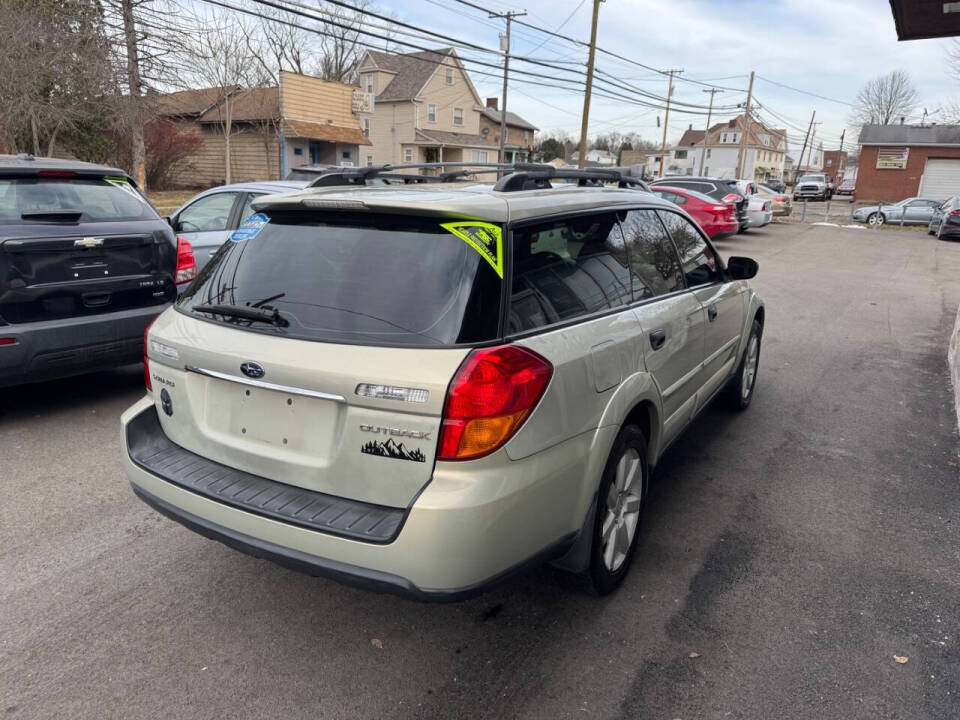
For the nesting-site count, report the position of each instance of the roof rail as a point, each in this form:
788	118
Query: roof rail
538	177
360	175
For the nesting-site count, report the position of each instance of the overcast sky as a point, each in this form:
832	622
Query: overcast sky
822	46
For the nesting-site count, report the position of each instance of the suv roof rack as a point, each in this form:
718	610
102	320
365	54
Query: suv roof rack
360	176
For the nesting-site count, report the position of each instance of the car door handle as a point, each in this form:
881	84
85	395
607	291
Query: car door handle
712	312
658	338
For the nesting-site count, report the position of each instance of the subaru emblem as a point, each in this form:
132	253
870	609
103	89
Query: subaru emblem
252	370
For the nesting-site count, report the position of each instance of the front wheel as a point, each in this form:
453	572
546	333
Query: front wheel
742	384
619	505
876	219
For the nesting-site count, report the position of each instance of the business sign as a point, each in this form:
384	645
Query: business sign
361	102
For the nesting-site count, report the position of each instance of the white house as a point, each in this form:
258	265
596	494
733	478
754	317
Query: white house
716	151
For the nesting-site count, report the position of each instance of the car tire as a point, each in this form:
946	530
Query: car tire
876	219
741	386
620	498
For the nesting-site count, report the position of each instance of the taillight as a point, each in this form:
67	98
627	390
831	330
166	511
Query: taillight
730	198
146	360
766	206
489	398
720	209
56	173
955	212
186	262
8	341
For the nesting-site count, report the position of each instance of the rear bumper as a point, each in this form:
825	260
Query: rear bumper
59	348
468	529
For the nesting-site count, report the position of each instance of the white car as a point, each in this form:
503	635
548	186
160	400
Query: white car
759	212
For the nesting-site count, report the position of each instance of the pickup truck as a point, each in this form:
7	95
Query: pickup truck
813	187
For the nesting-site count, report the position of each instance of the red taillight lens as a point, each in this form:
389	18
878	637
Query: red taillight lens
56	173
730	198
186	262
766	206
489	398
8	341
719	209
779	200
955	212
146	360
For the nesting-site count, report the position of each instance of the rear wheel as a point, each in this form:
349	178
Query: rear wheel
619	505
740	389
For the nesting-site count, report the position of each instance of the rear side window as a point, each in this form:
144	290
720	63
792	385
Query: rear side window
208	214
697	259
564	269
653	257
30	199
356	279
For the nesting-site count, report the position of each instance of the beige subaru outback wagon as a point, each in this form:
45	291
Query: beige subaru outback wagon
422	389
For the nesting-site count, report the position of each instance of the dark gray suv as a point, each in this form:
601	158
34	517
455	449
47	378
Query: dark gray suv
86	263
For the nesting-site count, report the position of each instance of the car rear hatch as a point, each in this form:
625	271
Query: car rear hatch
338	386
73	246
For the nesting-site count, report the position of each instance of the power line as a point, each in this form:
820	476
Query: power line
805	92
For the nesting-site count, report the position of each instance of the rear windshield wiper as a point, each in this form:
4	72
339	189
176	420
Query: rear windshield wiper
64	215
245	313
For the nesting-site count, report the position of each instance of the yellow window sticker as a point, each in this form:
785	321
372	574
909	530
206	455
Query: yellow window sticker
485	238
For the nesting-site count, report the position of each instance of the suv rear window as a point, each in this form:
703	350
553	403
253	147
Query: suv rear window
26	199
356	279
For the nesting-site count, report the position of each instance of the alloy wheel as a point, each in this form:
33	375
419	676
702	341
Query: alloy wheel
622	514
876	219
750	367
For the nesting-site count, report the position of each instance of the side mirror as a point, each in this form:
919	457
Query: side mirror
742	268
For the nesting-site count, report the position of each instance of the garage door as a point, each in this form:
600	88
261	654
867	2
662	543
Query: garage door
941	179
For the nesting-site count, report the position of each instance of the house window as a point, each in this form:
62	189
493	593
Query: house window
706	171
458	116
431	113
346	154
298	151
448	79
368	83
479	156
408	155
708	152
366	127
369	160
829	163
680	154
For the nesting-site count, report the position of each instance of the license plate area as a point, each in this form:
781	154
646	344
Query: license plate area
271	419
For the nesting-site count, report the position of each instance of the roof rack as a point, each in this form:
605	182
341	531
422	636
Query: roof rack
517	176
360	176
537	177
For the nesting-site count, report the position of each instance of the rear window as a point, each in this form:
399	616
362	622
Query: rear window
355	279
33	199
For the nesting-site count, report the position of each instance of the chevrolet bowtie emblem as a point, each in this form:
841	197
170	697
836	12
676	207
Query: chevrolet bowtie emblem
88	242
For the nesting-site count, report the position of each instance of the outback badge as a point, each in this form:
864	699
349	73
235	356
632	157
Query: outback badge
252	370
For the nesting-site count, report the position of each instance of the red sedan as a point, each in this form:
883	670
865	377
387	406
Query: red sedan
718	219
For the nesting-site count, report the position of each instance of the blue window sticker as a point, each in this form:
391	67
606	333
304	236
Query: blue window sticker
250	228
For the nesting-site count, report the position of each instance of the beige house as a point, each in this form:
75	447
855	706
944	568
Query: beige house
304	120
426	110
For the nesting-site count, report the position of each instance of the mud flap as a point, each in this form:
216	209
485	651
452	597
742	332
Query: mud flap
577	558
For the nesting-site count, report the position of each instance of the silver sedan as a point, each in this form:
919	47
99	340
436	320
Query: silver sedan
913	211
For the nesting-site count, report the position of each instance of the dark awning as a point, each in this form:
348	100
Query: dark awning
918	19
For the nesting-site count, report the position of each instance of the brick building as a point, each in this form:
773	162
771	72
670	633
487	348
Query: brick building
900	161
835	164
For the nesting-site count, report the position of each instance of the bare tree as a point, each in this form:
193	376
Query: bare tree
342	47
54	71
885	99
280	42
218	56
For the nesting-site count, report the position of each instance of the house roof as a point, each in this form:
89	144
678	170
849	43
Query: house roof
412	71
910	135
455	138
247	105
691	137
513	119
324	131
192	102
756	130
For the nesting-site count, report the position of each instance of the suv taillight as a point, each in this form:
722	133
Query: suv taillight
186	263
489	398
731	198
146	360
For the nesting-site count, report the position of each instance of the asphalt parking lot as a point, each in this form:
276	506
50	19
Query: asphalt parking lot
787	553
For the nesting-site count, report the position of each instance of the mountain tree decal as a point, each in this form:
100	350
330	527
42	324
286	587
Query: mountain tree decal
393	450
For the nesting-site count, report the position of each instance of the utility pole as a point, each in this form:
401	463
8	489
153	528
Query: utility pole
741	155
585	120
840	153
505	47
706	132
666	116
813	139
799	165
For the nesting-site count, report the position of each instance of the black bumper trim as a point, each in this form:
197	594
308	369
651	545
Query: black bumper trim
364	578
150	449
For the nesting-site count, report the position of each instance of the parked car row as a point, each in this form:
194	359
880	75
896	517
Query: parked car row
756	205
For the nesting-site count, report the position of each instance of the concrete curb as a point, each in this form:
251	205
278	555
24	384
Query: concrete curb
953	360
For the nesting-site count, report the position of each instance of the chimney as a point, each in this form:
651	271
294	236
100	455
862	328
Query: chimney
690	126
902	118
493	103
